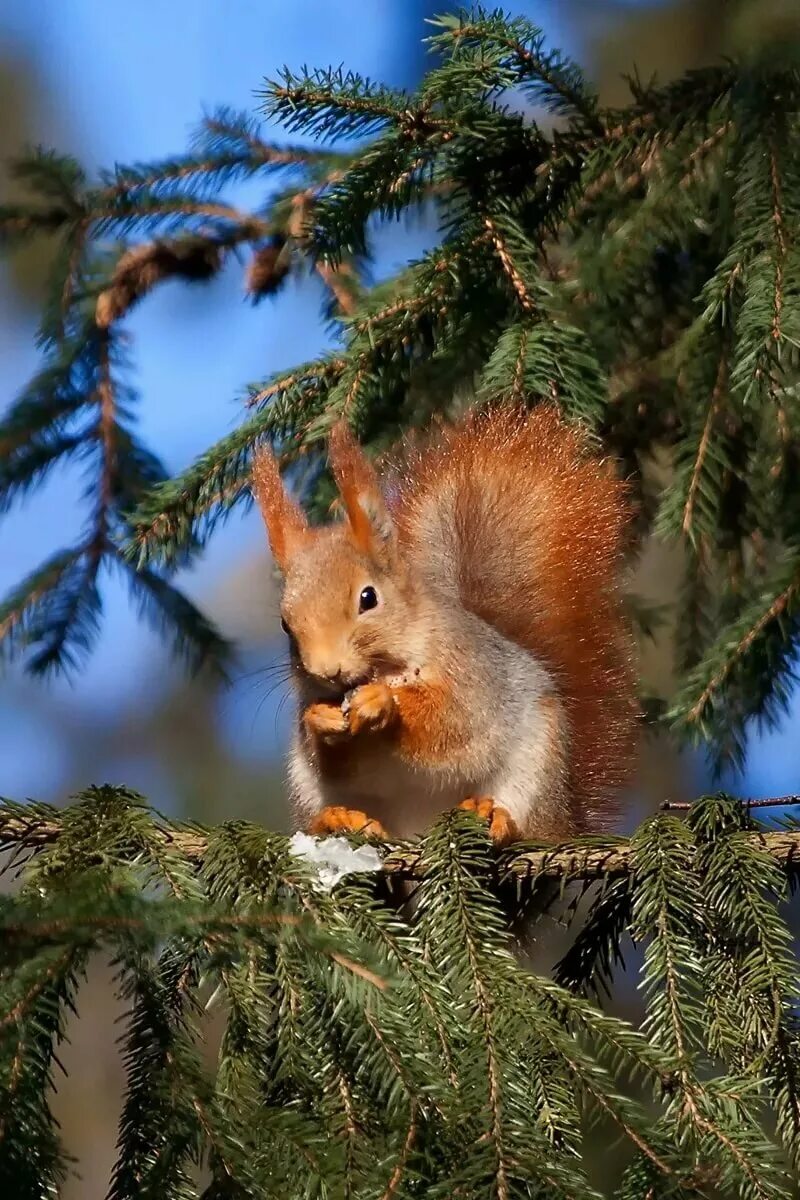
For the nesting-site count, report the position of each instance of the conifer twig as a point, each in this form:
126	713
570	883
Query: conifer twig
332	276
780	241
702	450
770	802
775	609
508	264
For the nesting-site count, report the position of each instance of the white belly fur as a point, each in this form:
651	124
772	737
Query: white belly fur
404	799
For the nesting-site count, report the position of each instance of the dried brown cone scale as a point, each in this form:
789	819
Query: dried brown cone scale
141	268
267	269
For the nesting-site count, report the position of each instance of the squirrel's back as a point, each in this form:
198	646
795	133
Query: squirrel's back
511	516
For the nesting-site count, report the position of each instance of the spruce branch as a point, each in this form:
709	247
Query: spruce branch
687	522
166	525
547	74
335	103
590	961
728	686
663	855
508	265
194	638
32	1160
54	611
753	974
340	279
372	1069
691	504
461	926
587	859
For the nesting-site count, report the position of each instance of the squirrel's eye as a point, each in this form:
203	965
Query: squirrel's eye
285	628
367	600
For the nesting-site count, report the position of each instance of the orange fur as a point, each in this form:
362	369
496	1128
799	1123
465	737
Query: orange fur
502	829
372	706
541	529
429	729
336	819
360	491
284	519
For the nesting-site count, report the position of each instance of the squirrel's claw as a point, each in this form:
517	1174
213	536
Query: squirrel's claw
327	721
502	829
335	819
371	707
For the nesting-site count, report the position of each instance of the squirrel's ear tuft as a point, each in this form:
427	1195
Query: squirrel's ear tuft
285	521
370	522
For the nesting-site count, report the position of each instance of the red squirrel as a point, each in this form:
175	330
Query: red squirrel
459	638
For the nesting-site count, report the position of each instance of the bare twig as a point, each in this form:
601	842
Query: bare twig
771	802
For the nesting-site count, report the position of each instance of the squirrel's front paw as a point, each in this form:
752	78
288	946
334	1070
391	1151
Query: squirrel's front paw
371	707
502	829
336	819
326	721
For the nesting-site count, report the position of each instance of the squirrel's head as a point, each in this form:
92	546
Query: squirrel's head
346	604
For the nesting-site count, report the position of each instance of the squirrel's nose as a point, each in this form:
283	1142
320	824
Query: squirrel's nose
329	673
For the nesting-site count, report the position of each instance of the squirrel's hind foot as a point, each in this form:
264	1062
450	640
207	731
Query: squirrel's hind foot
335	819
502	829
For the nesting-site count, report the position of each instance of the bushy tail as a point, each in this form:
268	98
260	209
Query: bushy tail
510	510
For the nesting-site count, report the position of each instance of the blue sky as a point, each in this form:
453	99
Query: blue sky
129	82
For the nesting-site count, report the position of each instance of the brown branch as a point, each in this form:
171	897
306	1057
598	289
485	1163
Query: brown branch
518	386
70	279
784	426
356	968
20	1009
352	391
587	861
57	926
780	242
702	450
13	1084
269	154
106	433
772	802
599	185
60	925
775	609
333	278
333	366
330	275
51	579
361	104
408	1146
122	187
407	305
508	265
262	151
702	149
486	1014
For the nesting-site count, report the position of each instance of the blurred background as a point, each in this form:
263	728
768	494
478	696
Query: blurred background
128	82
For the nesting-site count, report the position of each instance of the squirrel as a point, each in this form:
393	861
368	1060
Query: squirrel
460	638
